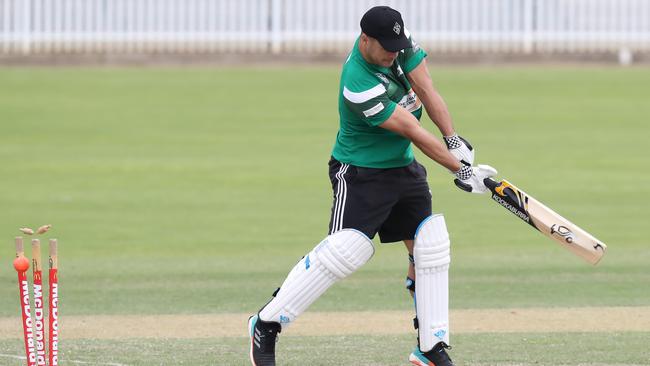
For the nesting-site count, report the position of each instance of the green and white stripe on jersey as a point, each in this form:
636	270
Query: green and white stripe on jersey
358	98
368	95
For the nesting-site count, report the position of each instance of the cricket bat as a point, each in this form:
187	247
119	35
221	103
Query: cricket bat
547	221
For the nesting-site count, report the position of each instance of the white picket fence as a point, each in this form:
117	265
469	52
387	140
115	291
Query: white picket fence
318	26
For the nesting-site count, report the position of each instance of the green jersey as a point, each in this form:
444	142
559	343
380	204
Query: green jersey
368	95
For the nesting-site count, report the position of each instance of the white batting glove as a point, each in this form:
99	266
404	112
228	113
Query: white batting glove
460	148
470	179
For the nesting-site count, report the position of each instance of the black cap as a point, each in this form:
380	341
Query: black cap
385	25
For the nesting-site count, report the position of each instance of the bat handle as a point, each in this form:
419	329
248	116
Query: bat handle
491	183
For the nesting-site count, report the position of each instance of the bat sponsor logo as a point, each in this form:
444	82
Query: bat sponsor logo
501	187
513	194
563	231
515	210
599	246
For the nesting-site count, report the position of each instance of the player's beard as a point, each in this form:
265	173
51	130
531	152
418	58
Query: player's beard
383	62
388	62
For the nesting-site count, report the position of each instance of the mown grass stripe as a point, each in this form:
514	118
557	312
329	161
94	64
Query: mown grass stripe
528	320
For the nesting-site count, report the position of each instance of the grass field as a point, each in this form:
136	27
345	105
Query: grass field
194	191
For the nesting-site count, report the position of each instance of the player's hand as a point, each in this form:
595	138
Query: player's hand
460	148
470	178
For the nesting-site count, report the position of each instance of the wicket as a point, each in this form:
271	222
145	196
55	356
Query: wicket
34	330
39	327
54	305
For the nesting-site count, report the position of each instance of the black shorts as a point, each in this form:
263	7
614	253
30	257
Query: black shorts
391	202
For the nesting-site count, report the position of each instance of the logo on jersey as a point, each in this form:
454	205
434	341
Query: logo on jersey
410	101
397	28
382	77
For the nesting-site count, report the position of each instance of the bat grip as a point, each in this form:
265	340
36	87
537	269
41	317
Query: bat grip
490	183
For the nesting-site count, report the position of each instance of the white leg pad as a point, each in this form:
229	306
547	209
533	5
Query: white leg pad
431	253
333	259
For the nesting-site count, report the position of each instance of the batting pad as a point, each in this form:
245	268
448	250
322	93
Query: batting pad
333	259
431	253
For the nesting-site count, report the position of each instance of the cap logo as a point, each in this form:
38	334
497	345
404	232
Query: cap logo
397	28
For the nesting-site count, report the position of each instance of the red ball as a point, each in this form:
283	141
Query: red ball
21	264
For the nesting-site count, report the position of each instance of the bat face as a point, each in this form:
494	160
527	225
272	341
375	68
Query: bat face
547	221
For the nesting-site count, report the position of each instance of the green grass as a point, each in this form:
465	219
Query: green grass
483	349
195	191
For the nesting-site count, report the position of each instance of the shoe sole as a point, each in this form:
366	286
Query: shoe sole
416	361
250	332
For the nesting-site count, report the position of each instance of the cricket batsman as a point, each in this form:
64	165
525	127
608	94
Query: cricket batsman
379	188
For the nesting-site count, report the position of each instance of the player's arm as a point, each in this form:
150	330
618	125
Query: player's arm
404	123
437	110
469	178
432	100
366	97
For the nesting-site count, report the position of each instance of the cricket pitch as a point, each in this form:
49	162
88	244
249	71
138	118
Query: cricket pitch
530	320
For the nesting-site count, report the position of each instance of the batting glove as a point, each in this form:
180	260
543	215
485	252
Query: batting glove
470	178
460	148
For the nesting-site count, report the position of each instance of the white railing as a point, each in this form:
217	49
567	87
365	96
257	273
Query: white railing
318	26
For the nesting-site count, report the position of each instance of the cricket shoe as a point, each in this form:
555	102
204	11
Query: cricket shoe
437	356
263	337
